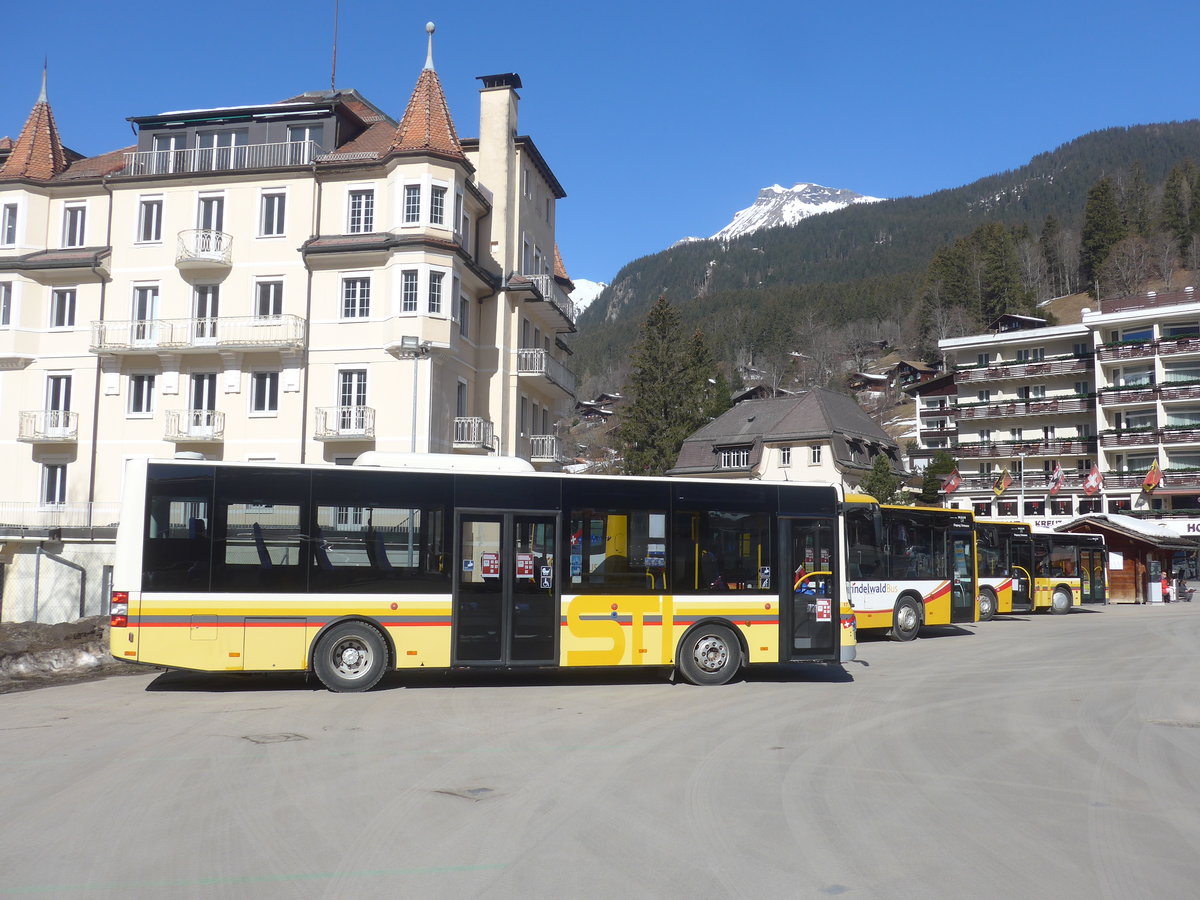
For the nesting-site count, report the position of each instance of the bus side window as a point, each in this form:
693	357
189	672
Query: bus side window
862	547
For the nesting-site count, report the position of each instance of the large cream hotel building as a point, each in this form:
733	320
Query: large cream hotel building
299	281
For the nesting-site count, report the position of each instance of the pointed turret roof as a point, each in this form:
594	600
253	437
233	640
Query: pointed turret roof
426	124
560	271
38	153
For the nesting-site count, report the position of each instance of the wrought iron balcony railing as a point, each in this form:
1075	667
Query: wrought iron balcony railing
473	433
185	425
545	448
220	332
540	362
218	159
554	295
200	248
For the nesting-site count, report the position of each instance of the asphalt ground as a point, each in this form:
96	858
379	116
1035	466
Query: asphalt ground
1031	756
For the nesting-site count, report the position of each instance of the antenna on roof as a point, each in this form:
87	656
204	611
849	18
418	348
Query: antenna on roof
333	66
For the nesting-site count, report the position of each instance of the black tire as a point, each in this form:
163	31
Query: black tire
987	606
709	654
906	620
1060	602
350	657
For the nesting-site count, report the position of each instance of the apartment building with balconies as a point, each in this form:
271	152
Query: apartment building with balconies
1147	361
1022	401
298	281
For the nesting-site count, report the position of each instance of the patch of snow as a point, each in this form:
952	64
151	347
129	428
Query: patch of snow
585	292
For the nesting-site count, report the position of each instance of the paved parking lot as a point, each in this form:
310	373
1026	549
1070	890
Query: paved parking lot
1025	757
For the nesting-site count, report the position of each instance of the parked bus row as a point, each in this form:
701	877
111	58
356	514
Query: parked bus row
432	562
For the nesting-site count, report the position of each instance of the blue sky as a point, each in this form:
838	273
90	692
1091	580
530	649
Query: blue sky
660	119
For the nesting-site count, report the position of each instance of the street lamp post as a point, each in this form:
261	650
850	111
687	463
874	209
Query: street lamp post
1021	488
412	347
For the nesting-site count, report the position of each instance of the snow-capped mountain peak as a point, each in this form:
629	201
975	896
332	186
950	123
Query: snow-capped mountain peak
585	292
777	205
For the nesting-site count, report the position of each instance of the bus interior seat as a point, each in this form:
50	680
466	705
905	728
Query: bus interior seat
377	551
321	550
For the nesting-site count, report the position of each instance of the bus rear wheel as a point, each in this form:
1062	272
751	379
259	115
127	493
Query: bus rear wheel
906	620
350	657
710	654
1060	602
987	606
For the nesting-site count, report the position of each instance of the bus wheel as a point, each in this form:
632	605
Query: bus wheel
710	654
1060	603
987	606
906	620
350	657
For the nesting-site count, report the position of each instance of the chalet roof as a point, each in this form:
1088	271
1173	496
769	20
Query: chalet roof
946	379
813	415
1156	532
38	154
1013	322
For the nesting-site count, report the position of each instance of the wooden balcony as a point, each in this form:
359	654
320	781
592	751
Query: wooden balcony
1134	350
1127	395
1041	369
1048	406
1129	438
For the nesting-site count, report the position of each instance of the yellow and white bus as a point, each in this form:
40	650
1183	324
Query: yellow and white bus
420	562
1068	570
1005	552
909	567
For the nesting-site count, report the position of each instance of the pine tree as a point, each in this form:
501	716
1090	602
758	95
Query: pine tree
931	486
881	483
1175	216
667	392
1135	202
1101	229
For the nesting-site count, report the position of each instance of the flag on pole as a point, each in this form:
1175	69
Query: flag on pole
1002	483
1094	481
1153	478
952	483
1057	477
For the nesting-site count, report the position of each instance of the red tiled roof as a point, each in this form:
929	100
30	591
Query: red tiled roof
560	271
38	153
96	166
6	143
426	124
376	139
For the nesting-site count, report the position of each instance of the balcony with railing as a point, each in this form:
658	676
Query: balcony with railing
1047	406
195	425
1126	394
472	433
48	426
1036	481
219	159
344	423
182	335
944	432
1129	437
549	290
545	448
1170	391
936	412
77	520
1012	449
1122	350
1180	434
1071	365
540	362
203	248
1172	478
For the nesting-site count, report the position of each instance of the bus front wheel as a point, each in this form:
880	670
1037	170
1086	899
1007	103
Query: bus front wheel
710	654
906	620
1060	602
987	606
350	657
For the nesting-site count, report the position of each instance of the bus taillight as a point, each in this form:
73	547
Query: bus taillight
118	610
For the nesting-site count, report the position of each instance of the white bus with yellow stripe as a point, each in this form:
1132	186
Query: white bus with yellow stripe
420	562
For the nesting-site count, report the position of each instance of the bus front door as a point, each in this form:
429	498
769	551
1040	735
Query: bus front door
808	589
1091	576
505	590
1021	562
964	606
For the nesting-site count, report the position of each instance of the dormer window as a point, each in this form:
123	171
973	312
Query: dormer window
734	458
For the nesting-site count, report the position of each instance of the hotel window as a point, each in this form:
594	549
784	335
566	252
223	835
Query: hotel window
8	224
264	392
149	221
356	298
362	212
5	302
62	308
141	395
412	204
459	223
785	456
435	293
54	485
814	455
270	222
464	316
269	301
460	400
437	206
408	291
73	221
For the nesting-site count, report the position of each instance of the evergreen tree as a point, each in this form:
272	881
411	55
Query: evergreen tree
1135	202
931	485
667	392
1000	289
1048	241
1175	216
881	483
1101	229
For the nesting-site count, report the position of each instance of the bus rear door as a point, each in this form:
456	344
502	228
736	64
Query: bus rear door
809	599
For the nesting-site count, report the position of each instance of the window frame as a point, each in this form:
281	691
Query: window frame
74	230
437	205
10	217
6	304
410	291
272	213
57	310
259	285
361	300
411	209
434	292
155	220
366	212
146	395
264	387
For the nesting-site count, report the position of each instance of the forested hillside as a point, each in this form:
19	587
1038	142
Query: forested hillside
914	269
